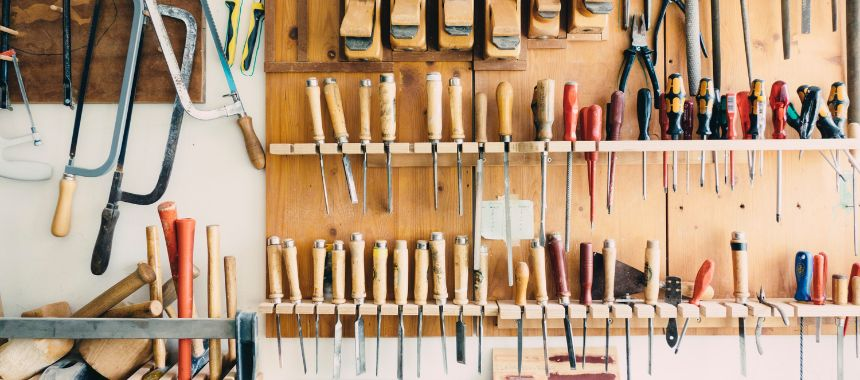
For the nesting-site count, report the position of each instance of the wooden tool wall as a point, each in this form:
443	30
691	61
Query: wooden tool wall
303	42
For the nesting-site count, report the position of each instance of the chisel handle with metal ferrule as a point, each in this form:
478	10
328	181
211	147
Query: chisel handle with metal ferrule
312	90
819	278
839	288
437	267
614	121
356	255
62	222
184	288
674	105
461	270
803	275
455	100
422	262
334	104
543	115
255	29
388	124
652	272
586	275
505	104
520	286
318	253
291	265
609	258
274	275
703	281
213	245
480	118
338	273
740	267
380	272
234	11
558	265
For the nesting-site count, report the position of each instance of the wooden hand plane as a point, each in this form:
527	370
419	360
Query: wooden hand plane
360	30
456	24
502	20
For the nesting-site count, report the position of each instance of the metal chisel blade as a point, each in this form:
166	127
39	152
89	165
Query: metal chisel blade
584	337
378	329
627	347
481	338
476	212
520	344
338	344
758	329
568	336
388	171
650	343
742	339
399	342
435	178
460	178
543	172
568	195
278	331
350	181
301	342
317	337
360	363
840	341
324	187
606	352
461	339
364	179
442	335
420	333
508	238
545	351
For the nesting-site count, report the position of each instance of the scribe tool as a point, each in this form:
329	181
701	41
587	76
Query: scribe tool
614	122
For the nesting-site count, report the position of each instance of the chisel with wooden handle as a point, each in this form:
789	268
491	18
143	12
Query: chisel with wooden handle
505	104
434	126
312	90
274	277
461	291
290	257
400	262
652	289
422	263
185	289
318	253
520	286
480	291
356	258
334	103
230	291
380	287
455	99
558	265
740	272
338	297
538	259
364	136
586	277
543	113
213	244
609	257
481	139
159	350
388	122
703	281
440	286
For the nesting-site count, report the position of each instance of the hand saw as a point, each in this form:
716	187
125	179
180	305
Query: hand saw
22	170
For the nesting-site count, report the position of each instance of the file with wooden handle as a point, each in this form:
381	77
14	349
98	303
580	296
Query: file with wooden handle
380	287
290	257
537	255
520	287
400	263
740	271
558	265
461	292
480	287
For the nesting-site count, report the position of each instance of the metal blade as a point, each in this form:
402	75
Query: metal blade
322	176
818	330
481	338
840	342
388	171
364	179
545	351
606	352
856	337
568	336
460	178
278	331
520	343
317	337
805	17
683	332
644	176
742	339
442	335
301	341
378	329
801	347
758	328
543	163
420	329
399	342
360	363
461	339
338	344
650	343
508	238
627	346
476	211
568	190
350	181
435	178
584	337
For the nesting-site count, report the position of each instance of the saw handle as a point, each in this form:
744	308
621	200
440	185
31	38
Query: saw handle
356	255
644	99
537	255
334	104
505	104
521	283
434	106
740	266
819	278
364	100
230	292
252	142
480	117
61	224
388	107
437	267
586	269
570	108
185	288
318	253
480	278
703	281
543	101
338	273
422	264
652	272
803	275
455	101
558	265
401	272
104	239
610	255
461	270
273	265
380	272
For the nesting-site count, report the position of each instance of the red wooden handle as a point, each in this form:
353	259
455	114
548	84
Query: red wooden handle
184	289
744	111
586	272
616	116
779	106
591	128
571	110
167	214
558	264
703	280
819	274
731	111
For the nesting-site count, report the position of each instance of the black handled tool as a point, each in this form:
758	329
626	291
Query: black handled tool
644	100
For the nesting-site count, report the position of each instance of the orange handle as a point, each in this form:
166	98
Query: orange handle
185	291
703	281
167	214
819	274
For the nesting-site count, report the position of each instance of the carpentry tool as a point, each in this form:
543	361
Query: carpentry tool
356	259
159	350
6	21
785	12
854	288
673	297
481	139
760	322
803	276
778	105
338	122
543	114
687	127
440	287
434	126
422	262
290	256
455	100
184	289
537	256
408	27
694	50
592	119
840	342
614	121
558	265
312	91
705	106
715	46
747	43
570	109
364	96
502	30
819	288
586	278
20	169
652	288
625	15
380	287
479	278
674	105
703	281
639	48
388	122
609	257
276	287
740	272
505	104
805	16
757	116
67	53
461	291
255	30
338	297
664	6
110	214
318	253
729	108
630	280
456	24
401	291
361	30
664	128
520	286
838	103
234	12
213	245
744	110
230	295
643	116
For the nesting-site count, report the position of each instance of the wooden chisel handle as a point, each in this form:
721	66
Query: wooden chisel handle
652	272
840	289
312	90
230	291
505	105
115	294
167	214
388	107
586	269
380	272
455	100
521	283
480	278
538	259
356	256
148	309
62	222
854	287
401	272
252	142
610	254
570	108
185	288
437	267
740	267
334	104
364	100
480	119
213	245
703	281
558	265
318	252
422	264
338	273
292	267
434	106
853	294
543	109
274	275
819	275
159	350
461	270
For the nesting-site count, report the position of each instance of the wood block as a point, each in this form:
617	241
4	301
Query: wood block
361	21
736	310
643	311
502	20
665	310
712	309
620	310
505	363
598	310
583	22
759	310
544	19
115	358
686	310
457	16
408	17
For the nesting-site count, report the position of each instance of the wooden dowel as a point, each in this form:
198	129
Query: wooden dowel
230	290
213	243
148	309
159	350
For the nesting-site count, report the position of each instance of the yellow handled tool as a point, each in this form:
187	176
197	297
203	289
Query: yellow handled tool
234	13
249	52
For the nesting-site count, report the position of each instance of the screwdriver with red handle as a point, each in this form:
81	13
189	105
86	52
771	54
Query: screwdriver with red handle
590	130
570	108
744	112
853	299
731	109
778	105
703	281
819	287
586	277
614	121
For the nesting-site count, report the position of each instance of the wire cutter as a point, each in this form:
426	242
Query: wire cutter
639	46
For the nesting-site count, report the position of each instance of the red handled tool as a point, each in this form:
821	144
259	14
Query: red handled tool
570	107
744	112
730	101
185	289
687	126
615	120
778	105
592	118
819	287
703	281
852	297
586	278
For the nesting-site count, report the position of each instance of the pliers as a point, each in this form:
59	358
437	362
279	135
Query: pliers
639	46
662	15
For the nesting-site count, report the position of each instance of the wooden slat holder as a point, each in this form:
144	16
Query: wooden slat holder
456	24
544	19
408	25
361	30
502	23
589	20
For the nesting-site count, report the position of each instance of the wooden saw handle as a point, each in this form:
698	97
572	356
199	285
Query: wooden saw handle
461	270
521	283
380	272
422	264
434	106
537	255
318	252
480	118
401	272
213	245
455	101
652	272
437	266
356	254
252	142
338	273
115	294
334	104
62	222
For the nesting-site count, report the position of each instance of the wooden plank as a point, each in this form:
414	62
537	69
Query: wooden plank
505	363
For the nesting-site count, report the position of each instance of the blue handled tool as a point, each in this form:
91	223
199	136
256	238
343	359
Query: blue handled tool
803	274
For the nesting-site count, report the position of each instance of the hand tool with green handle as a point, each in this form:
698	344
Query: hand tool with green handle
644	99
252	43
440	286
705	106
359	293
455	99
570	109
558	265
234	14
505	104
537	257
434	126
543	114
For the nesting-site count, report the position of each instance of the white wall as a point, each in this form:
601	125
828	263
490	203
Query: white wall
214	183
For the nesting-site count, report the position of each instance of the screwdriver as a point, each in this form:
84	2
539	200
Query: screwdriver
359	293
570	105
440	287
364	136
731	108
743	99
318	296
290	256
609	257
538	260
586	277
504	103
664	129
338	289
543	115
401	291
758	121
380	287
558	265
687	126
520	286
778	105
615	120
312	90
591	122
819	290
803	275
480	291
455	98
705	105
703	281
740	272
434	126
334	103
274	279
388	122
652	288
422	262
674	106
644	99
461	292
